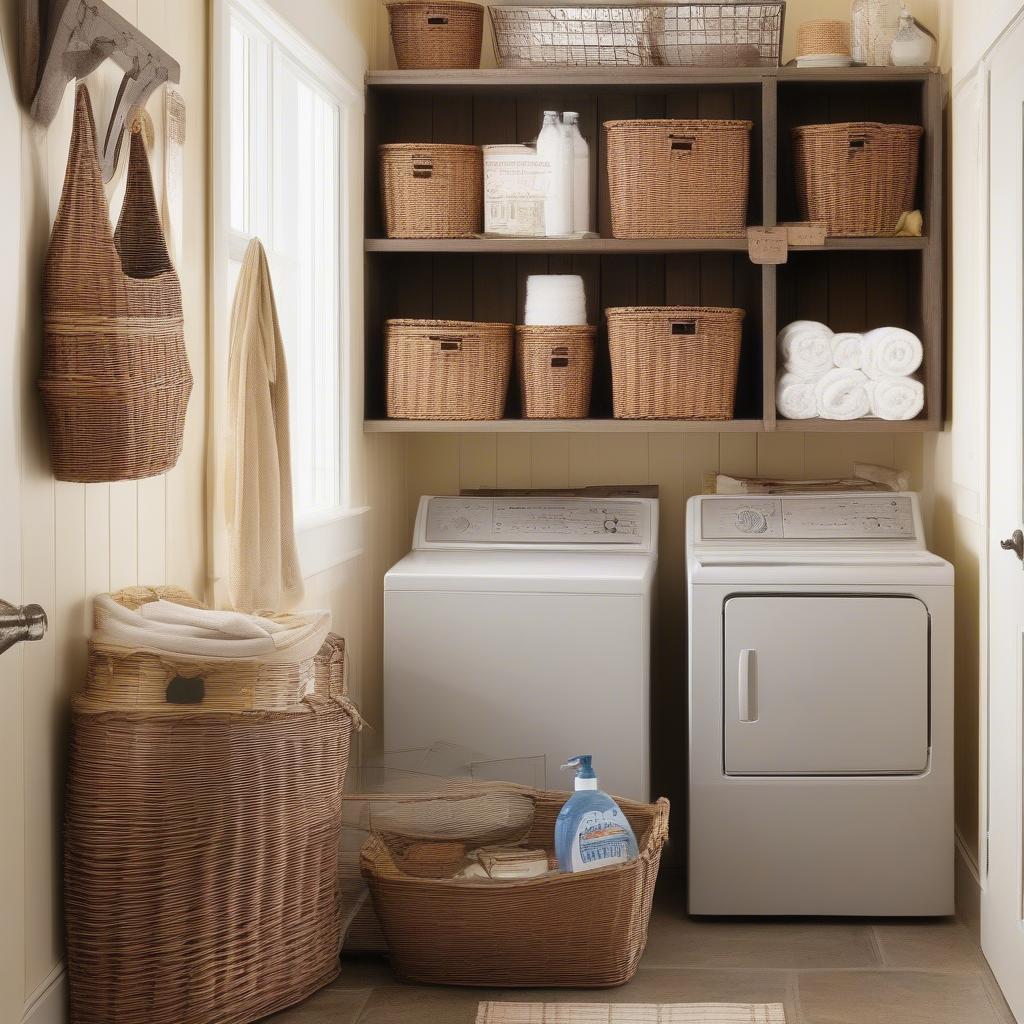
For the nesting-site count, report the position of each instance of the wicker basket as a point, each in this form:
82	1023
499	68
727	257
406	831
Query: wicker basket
201	852
555	366
674	362
432	190
115	378
678	179
447	369
436	35
524	933
858	177
823	36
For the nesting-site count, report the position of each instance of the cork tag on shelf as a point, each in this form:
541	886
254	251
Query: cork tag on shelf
806	232
768	245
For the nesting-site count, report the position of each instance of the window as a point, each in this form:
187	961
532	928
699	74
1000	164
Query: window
282	117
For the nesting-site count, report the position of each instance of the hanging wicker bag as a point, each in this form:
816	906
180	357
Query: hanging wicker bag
447	369
859	177
674	362
436	35
678	179
555	366
201	843
517	934
432	190
115	378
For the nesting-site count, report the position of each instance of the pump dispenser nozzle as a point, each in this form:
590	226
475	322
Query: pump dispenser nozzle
585	777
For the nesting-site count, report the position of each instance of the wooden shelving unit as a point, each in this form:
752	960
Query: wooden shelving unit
850	283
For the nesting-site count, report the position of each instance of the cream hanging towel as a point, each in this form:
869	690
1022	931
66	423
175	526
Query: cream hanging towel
263	563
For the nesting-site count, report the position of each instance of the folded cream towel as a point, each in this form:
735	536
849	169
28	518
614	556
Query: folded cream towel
848	350
555	300
805	348
796	397
897	398
843	395
891	352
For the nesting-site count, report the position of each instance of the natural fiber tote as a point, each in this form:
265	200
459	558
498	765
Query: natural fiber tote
115	378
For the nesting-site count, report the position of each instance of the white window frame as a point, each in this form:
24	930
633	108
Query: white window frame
326	538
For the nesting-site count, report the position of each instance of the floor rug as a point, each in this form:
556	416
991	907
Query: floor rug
630	1013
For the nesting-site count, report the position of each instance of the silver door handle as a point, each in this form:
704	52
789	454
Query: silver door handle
1014	544
16	624
748	686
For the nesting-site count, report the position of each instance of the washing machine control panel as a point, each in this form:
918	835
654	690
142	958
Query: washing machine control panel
555	521
808	517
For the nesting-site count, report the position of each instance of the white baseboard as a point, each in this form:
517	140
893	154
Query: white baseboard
49	1003
968	889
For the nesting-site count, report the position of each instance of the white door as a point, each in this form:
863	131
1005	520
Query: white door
1003	894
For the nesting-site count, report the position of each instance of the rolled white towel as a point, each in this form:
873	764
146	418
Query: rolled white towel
555	300
897	398
843	395
891	352
805	348
848	350
796	397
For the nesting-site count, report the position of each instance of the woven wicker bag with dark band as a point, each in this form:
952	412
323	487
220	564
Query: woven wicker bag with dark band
115	377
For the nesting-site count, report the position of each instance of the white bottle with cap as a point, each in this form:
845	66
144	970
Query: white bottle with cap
555	146
580	174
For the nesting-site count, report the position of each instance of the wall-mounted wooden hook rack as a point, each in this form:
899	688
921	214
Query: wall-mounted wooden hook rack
67	39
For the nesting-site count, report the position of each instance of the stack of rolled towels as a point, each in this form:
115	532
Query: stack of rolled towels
848	376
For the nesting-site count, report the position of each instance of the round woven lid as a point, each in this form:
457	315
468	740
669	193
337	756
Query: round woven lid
823	36
434	3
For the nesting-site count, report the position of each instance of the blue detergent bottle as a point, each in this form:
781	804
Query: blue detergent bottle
591	830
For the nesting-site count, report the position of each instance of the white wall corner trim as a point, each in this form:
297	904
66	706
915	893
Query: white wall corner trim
49	1003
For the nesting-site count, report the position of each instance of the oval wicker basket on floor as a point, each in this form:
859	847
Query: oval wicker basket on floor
115	377
431	190
436	35
674	362
582	930
201	847
555	367
857	177
447	369
678	178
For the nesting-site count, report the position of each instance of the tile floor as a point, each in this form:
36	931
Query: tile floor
846	971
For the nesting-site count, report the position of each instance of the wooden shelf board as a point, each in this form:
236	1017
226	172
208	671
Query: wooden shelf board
519	426
598	246
866	426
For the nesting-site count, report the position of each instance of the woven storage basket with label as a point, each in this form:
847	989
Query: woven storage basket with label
677	178
115	377
201	843
674	362
524	933
857	177
431	190
555	367
436	35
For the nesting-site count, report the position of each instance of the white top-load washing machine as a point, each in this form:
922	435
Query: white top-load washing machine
521	627
821	720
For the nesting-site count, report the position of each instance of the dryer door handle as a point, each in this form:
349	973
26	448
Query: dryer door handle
748	686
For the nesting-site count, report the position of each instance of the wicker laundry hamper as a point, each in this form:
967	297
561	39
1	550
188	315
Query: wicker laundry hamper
677	178
555	367
436	35
432	190
674	362
201	844
447	369
521	933
115	377
857	177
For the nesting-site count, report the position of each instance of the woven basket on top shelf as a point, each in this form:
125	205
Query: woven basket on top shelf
431	190
674	362
857	177
672	178
447	369
436	35
555	366
823	36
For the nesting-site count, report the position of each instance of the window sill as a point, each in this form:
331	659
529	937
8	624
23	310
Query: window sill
328	539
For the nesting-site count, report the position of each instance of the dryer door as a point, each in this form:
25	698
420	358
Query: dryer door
825	685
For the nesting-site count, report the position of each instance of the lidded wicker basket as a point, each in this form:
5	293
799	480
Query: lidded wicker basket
555	367
447	369
823	36
674	362
115	377
857	177
521	934
672	178
433	190
436	35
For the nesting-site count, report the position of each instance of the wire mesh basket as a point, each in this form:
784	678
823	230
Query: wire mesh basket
706	34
